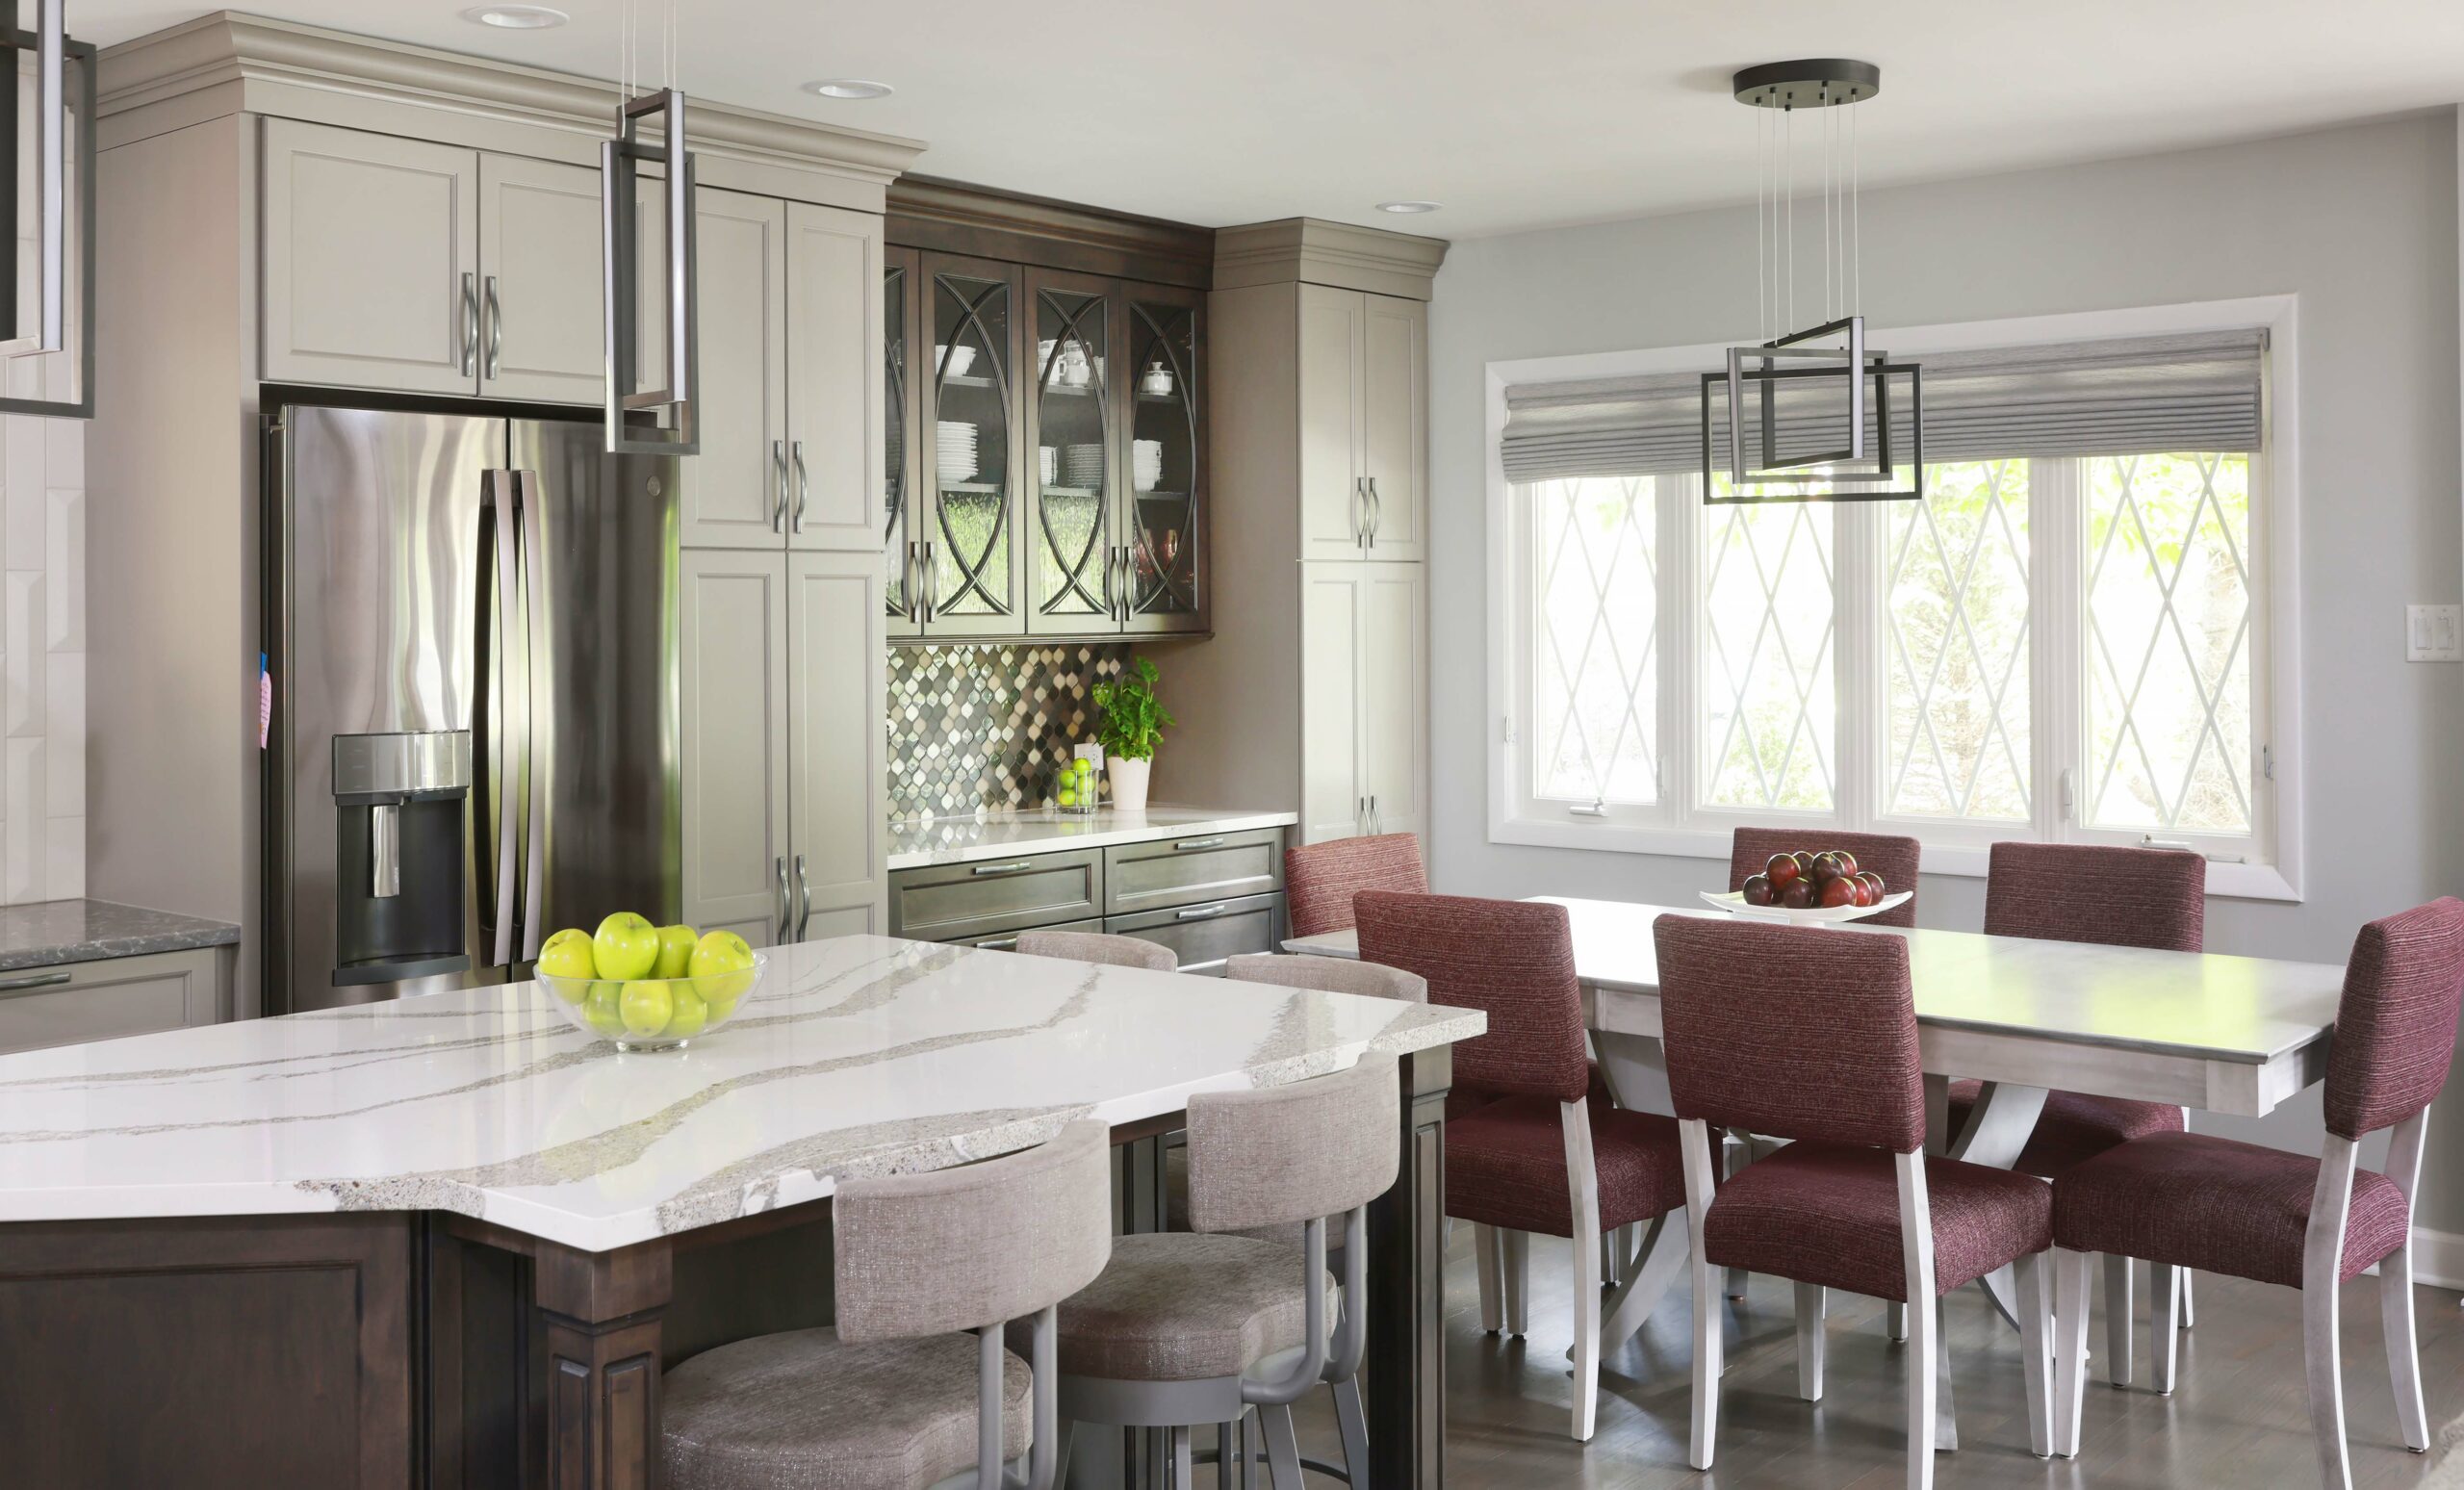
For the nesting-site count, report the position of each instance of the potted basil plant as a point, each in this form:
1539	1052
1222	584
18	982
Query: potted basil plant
1133	724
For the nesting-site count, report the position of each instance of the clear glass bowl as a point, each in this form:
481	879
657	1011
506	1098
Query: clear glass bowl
666	1013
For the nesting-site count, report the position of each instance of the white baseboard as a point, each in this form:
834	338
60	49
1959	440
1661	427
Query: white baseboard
2438	1258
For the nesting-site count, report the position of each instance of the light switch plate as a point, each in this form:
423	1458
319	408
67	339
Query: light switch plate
2434	633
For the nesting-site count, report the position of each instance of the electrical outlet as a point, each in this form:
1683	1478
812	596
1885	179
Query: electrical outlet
2434	633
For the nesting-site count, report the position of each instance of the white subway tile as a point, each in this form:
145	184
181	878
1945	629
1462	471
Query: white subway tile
64	570
21	467
26	622
64	858
64	461
64	734
22	859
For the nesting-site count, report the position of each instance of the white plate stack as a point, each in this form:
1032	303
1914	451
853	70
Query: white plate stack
1147	463
953	451
1082	466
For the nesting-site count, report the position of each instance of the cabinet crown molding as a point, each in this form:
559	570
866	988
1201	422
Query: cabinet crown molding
231	62
1315	251
953	216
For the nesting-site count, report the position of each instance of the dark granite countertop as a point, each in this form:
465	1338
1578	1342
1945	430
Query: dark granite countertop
51	932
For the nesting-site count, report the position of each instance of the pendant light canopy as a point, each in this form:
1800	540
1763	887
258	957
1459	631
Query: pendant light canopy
660	419
1814	414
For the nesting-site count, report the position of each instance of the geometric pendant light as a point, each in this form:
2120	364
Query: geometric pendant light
46	296
660	418
1813	414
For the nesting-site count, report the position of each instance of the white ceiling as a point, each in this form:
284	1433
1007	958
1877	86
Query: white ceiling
1513	115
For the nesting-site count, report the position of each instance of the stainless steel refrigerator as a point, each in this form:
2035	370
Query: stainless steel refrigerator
471	672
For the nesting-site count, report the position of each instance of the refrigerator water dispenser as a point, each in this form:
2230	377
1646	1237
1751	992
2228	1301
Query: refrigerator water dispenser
402	811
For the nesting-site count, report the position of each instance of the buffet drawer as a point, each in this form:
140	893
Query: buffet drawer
1008	942
105	999
1203	934
963	902
1198	867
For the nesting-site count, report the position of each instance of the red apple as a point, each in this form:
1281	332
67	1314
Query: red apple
1756	890
1839	892
1797	894
1826	867
1847	861
1804	862
1866	895
1780	870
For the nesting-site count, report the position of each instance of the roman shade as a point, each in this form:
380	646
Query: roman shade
2119	396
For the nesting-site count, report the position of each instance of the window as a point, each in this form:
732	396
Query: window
2064	647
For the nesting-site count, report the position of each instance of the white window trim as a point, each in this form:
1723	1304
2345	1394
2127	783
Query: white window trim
1698	834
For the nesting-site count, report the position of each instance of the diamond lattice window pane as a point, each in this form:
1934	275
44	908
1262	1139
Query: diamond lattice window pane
1768	711
1595	655
1955	628
2168	632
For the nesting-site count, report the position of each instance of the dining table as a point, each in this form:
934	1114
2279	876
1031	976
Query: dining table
2208	1032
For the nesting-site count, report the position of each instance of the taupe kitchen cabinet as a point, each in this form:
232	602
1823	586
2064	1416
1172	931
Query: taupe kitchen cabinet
1364	417
791	413
70	1003
784	798
425	267
1364	682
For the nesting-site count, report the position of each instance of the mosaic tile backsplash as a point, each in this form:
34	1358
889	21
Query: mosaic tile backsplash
979	728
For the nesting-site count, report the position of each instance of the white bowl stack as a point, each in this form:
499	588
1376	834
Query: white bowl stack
1147	463
1082	465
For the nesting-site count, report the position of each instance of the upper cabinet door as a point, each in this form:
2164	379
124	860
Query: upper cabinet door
734	707
1073	422
735	491
1395	424
1166	508
836	782
901	585
1334	506
834	424
370	260
541	316
972	454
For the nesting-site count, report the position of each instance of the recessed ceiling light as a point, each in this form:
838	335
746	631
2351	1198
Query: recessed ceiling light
1409	207
515	18
849	88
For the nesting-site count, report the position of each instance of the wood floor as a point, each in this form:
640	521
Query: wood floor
2239	1420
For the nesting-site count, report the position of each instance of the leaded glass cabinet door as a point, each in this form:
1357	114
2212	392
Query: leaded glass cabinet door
1074	555
969	449
903	400
1164	513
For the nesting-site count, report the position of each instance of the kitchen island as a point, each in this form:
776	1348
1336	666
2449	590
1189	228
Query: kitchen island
452	1240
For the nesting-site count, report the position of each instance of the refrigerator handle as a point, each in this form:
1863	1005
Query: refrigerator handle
534	820
496	898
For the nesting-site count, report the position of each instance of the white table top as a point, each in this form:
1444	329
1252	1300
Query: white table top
916	844
2209	1004
858	1055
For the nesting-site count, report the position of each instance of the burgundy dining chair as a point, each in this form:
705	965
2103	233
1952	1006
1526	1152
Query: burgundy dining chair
2193	1201
1541	1157
1889	855
1319	879
1809	1034
2114	896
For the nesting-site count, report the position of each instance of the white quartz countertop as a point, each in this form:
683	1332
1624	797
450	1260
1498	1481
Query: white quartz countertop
856	1056
916	844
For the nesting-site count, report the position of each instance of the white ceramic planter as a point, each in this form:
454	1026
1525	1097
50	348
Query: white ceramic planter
1129	782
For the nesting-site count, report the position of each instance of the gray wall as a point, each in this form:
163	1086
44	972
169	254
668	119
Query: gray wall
2360	223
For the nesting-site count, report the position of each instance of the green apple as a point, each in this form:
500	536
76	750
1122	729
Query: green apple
567	956
1067	796
645	1006
722	972
627	946
675	951
604	1009
692	1016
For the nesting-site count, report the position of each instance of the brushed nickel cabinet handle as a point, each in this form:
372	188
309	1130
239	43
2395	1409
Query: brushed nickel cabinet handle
1202	912
779	465
14	985
998	944
495	313
469	324
1377	511
796	455
804	899
781	862
1188	844
1008	868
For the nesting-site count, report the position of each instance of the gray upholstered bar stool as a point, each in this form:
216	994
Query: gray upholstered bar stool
1099	947
893	1395
1203	1326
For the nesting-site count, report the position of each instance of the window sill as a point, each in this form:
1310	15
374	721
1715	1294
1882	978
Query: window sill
2224	880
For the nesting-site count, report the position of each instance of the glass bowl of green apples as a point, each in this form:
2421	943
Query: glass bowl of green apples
642	987
1074	789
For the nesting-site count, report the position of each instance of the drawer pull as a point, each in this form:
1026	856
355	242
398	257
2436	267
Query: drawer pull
1202	912
998	944
1008	868
52	979
1187	844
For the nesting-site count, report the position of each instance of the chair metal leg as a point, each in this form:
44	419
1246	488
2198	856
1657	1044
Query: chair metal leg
1812	1299
2164	1324
1353	1425
1283	1448
1895	1321
2118	1272
1734	1155
2187	1320
2395	1292
1487	1255
2030	1275
2322	1268
1694	1142
1515	1265
1924	1320
1183	1477
1946	1417
2069	1347
1584	1176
